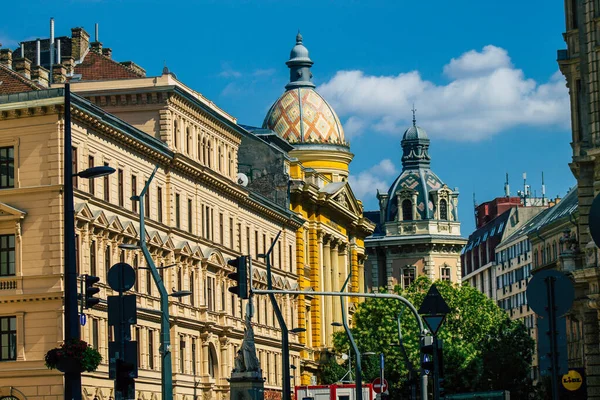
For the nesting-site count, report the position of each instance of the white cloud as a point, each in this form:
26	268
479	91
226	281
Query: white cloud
366	183
485	95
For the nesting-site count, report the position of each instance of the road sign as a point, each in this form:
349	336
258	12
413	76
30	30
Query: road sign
378	387
537	292
82	319
434	303
121	277
434	322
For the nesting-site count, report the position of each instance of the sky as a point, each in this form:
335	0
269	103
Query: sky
482	75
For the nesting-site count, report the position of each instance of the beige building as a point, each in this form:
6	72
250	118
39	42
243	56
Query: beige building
197	218
418	231
578	63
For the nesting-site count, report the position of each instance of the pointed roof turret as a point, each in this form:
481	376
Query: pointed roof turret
299	65
415	147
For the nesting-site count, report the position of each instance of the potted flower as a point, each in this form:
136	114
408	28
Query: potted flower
73	356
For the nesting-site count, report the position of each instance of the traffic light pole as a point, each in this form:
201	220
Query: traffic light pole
166	369
436	369
357	364
410	306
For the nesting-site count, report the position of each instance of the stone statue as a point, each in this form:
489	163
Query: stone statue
246	360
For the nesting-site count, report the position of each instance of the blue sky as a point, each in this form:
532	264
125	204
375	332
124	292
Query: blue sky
483	75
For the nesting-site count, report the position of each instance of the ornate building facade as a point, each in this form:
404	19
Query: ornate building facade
418	232
330	245
197	216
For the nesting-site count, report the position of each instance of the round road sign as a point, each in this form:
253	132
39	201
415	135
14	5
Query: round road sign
378	387
537	292
121	277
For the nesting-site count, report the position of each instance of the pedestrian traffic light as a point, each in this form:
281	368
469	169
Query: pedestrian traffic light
240	276
126	371
441	390
427	354
90	291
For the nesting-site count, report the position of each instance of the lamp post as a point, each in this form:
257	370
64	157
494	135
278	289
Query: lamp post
166	370
71	324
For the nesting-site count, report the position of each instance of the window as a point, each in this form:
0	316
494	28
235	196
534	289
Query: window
407	210
220	159
190	215
177	211
146	202
233	305
256	245
188	144
134	203
191	289
139	343
223	297
211	363
135	268
150	349
408	277
74	161
194	356
8	338
7	167
91	181
159	202
106	181
221	229
209	154
106	261
93	269
7	255
182	355
290	260
247	240
231	232
175	134
574	16
148	281
279	255
210	293
120	187
180	280
95	333
443	209
445	274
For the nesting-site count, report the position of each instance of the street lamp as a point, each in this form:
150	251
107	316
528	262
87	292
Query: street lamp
71	324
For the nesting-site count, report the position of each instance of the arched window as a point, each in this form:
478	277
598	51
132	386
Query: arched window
407	210
443	209
203	161
212	362
175	134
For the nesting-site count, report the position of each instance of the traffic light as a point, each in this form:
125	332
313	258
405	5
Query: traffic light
126	371
240	276
427	354
90	291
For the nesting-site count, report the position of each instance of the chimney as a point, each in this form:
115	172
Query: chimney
22	66
40	75
6	57
69	64
96	47
107	52
133	67
80	41
59	73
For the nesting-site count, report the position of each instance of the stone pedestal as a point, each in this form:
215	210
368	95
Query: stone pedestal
246	386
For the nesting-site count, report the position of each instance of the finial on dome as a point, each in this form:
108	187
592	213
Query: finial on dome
414	111
165	68
299	37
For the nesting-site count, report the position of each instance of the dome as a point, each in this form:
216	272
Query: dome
299	52
414	133
423	181
301	115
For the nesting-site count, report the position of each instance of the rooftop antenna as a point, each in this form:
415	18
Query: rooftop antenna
51	50
525	189
543	190
96	32
475	209
414	111
506	187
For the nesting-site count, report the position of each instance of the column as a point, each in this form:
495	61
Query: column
361	272
316	263
337	268
224	361
205	343
374	264
326	279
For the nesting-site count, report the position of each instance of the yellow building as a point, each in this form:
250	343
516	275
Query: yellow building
198	216
330	245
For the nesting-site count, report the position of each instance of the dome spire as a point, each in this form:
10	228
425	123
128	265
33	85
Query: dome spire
299	65
415	146
414	111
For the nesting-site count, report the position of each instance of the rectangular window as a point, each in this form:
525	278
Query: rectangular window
93	269
7	167
95	333
8	338
445	274
194	357
239	232
74	161
182	355
231	232
120	187
7	255
221	229
149	282
159	202
223	297
134	203
150	349
106	261
139	343
290	259
106	181
264	244
233	304
92	185
574	15
190	216
177	211
212	226
207	222
408	277
135	268
256	245
279	255
77	253
146	202
210	293
191	288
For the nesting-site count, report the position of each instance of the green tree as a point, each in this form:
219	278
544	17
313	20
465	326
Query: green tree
468	333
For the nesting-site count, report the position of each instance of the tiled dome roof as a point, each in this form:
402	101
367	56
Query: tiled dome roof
301	115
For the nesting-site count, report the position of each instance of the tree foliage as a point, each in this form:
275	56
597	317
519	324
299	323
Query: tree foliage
483	348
